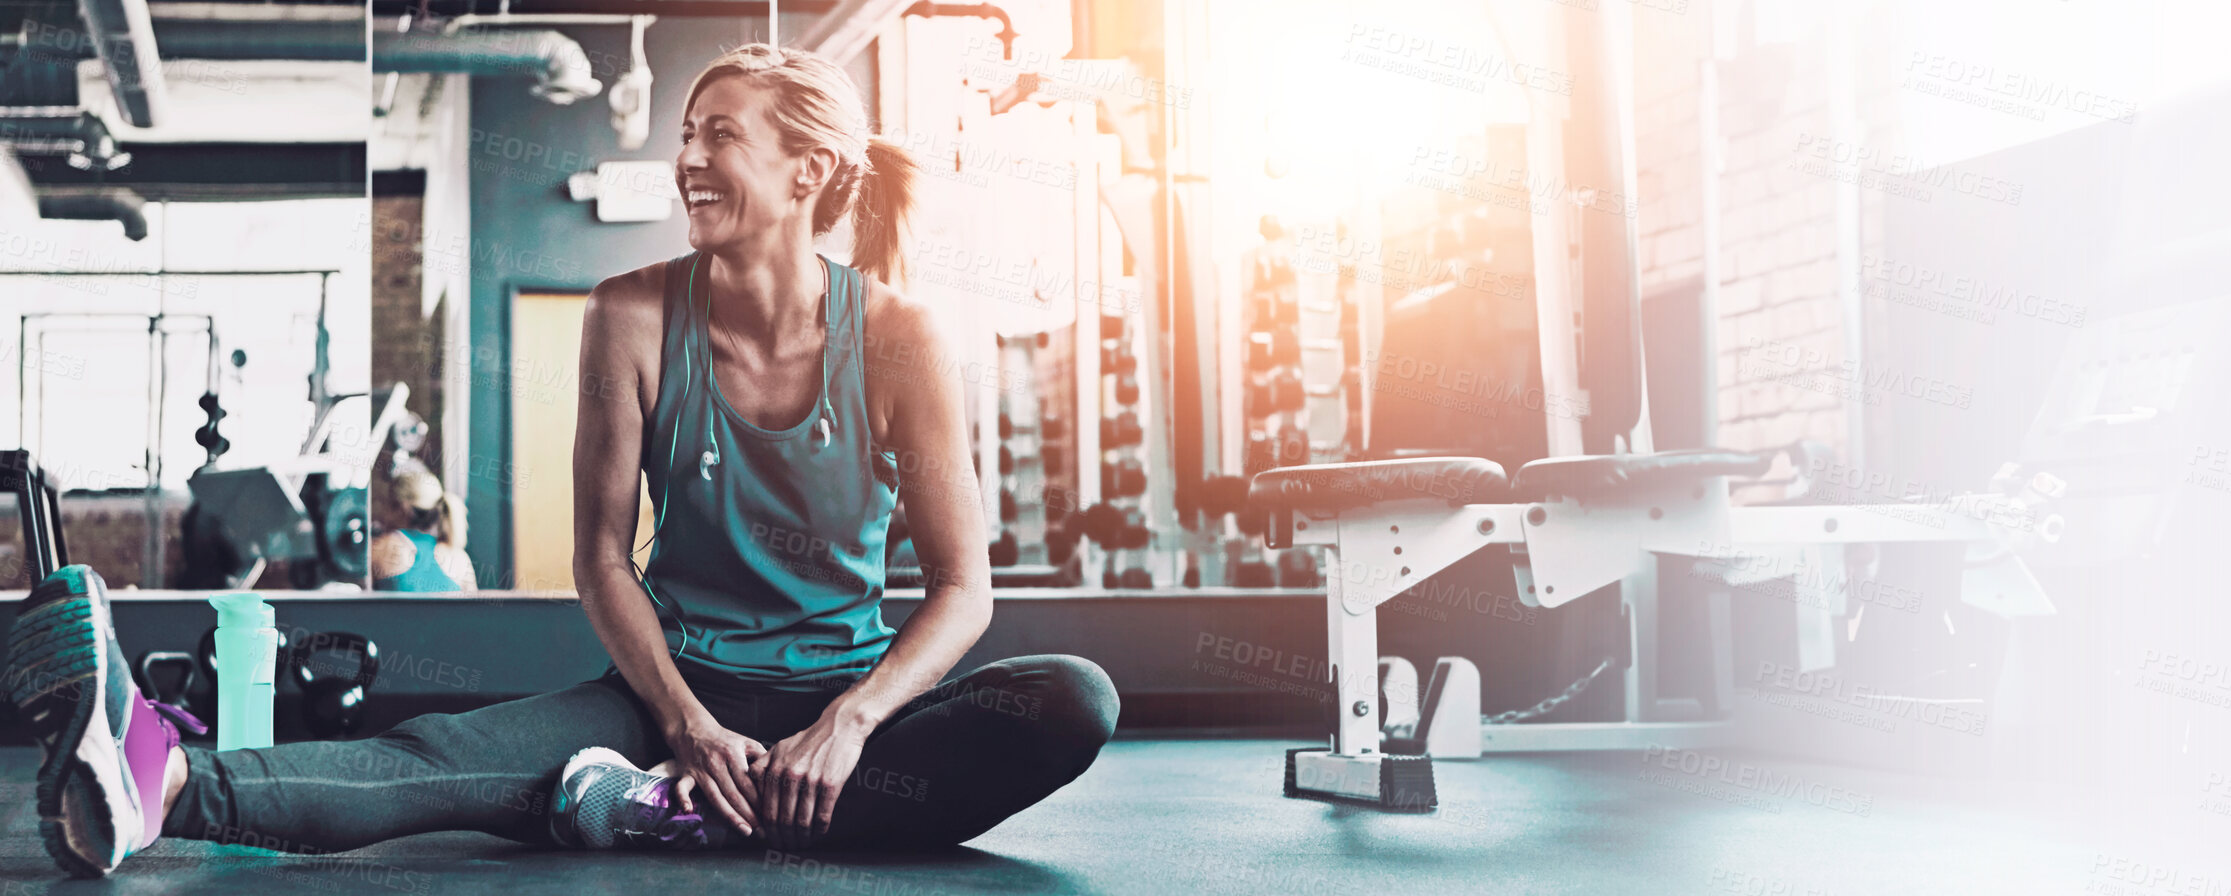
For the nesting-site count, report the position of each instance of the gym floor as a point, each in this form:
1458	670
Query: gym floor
1204	816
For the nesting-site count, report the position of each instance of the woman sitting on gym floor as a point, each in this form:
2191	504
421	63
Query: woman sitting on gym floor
785	710
427	552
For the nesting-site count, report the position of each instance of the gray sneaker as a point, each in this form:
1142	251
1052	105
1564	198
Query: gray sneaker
605	802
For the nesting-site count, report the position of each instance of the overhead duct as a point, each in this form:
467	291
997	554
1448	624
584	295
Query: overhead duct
334	41
104	204
561	68
124	37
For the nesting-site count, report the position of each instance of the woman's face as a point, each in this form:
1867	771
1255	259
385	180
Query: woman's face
735	178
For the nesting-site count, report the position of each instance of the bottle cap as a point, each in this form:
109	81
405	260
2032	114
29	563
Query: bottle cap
243	610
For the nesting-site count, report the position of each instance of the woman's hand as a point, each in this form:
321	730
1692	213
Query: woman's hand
800	779
719	761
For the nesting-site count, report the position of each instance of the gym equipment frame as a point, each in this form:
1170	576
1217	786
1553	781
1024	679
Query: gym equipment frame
1574	526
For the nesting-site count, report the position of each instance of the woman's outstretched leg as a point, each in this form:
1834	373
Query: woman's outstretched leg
491	770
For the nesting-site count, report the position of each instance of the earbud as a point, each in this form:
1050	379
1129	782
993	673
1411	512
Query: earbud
824	431
706	462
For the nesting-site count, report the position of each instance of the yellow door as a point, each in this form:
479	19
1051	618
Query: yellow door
545	353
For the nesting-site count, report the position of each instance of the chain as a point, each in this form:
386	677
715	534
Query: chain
1544	707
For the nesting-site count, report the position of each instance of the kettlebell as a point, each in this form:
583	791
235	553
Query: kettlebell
200	692
180	694
333	705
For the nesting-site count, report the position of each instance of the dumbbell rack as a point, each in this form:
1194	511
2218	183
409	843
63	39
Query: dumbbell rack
1119	522
1276	406
1021	534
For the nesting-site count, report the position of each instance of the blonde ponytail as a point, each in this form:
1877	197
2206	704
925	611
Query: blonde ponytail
881	214
450	529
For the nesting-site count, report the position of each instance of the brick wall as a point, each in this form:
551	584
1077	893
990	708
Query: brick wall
1780	328
108	533
406	341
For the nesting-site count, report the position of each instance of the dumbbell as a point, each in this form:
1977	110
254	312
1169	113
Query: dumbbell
207	436
1006	427
1274	348
1223	494
1293	446
1006	461
333	705
1123	479
1060	549
1135	578
1127	389
1053	428
1273	310
1254	574
1279	390
1297	569
1115	528
1111	325
1053	462
1262	453
1117	358
1121	430
1007	508
1259	352
1006	551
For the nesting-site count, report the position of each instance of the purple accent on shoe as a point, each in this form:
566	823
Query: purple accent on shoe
148	739
652	812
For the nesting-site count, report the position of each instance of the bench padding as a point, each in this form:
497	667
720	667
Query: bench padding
1321	488
1613	475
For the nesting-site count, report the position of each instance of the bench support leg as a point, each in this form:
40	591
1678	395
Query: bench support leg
1355	770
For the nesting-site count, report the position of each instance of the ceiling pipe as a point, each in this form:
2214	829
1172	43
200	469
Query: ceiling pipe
103	204
1006	35
124	38
561	68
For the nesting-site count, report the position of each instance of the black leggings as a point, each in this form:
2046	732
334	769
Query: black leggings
948	766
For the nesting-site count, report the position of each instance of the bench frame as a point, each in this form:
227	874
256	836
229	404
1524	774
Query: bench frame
1566	548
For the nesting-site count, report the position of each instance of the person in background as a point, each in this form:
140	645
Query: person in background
428	552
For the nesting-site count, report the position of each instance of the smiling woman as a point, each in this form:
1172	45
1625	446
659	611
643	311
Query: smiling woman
750	648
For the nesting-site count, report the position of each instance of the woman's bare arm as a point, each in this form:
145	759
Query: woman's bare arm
620	339
944	511
800	778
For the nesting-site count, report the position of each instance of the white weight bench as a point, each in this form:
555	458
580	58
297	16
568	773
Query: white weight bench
1574	526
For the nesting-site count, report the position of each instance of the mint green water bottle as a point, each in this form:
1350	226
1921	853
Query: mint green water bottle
247	669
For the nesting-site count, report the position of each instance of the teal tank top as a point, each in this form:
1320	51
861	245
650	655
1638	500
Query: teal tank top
425	575
769	563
